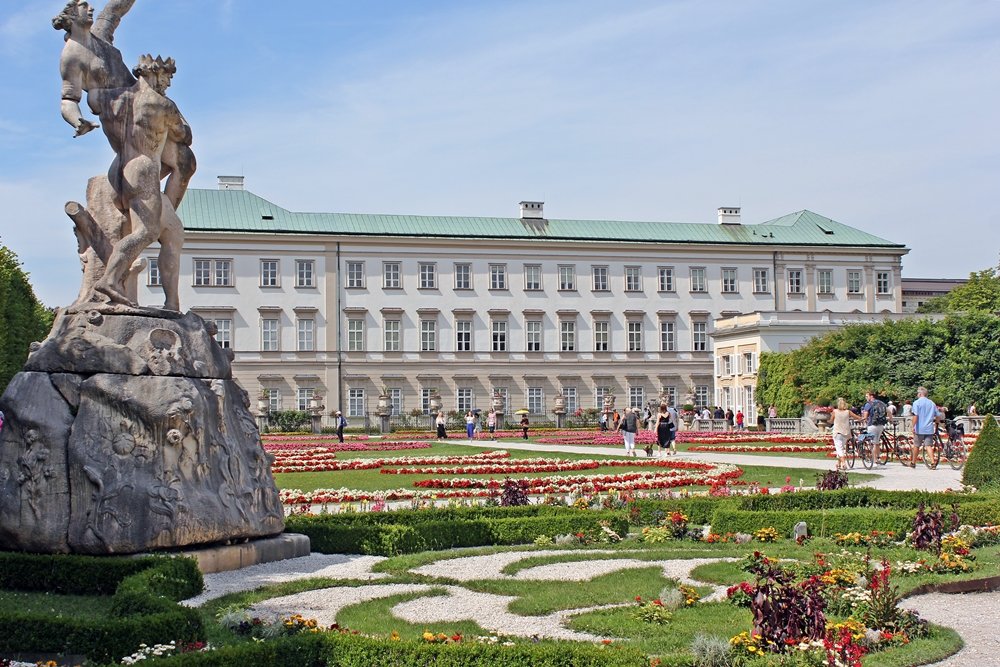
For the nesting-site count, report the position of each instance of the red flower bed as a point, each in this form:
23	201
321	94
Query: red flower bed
323	461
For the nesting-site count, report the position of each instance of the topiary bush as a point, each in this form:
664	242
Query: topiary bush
982	470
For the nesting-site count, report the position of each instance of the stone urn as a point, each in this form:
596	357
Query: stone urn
263	405
497	403
384	407
609	403
559	409
435	402
822	417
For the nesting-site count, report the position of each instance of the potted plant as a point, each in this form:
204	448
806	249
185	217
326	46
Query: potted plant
687	414
822	416
263	401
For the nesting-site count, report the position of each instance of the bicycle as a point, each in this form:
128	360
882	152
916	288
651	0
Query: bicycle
897	444
859	445
954	449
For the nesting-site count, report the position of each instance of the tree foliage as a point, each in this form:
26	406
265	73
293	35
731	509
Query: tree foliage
24	319
980	295
956	358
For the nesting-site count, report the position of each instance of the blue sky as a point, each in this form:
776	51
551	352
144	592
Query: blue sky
881	115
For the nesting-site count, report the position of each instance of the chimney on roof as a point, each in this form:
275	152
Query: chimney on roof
729	215
532	210
230	182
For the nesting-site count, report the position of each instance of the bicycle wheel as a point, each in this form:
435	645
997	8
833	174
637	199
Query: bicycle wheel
902	450
931	459
956	454
850	451
867	453
885	451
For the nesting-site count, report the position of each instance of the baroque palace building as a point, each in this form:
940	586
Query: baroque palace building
346	306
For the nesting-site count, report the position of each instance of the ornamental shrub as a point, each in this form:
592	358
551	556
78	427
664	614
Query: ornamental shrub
982	470
821	522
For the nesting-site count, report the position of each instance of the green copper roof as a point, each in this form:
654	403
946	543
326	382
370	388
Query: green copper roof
243	211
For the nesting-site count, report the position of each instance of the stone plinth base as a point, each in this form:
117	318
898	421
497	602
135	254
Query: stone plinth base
236	556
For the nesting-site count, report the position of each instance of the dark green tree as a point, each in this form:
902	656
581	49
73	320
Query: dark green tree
983	467
24	319
980	295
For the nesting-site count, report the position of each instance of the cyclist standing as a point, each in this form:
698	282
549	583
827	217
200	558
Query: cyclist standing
876	416
925	417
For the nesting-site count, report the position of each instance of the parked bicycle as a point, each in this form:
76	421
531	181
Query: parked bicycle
860	445
953	449
896	445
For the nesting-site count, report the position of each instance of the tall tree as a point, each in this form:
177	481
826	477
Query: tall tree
980	295
24	319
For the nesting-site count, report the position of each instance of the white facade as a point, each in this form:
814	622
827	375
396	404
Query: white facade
526	317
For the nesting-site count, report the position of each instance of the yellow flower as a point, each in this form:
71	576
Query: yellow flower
428	635
394	636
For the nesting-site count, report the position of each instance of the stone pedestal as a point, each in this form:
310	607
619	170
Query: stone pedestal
126	433
228	557
383	424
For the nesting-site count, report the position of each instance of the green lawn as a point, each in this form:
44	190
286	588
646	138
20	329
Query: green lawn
56	606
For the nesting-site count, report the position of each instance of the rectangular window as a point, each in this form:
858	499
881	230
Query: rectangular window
535	401
725	364
699	336
428	275
854	282
395	400
305	273
213	273
463	399
463	276
567	336
268	273
824	281
634	336
355	402
633	279
269	335
599	393
795	281
355	274
749	363
224	332
602	336
463	335
698	280
701	395
636	397
305	335
428	335
729	282
153	272
302	396
425	400
532	277
881	282
392	329
761	281
498	276
600	274
391	275
665	278
533	335
572	400
567	277
273	399
668	340
499	335
669	396
355	335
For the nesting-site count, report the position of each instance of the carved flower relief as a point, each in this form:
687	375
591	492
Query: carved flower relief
123	443
174	437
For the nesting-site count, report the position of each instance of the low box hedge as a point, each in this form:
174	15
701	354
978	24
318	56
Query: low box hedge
698	509
854	497
144	605
338	650
822	523
983	513
391	533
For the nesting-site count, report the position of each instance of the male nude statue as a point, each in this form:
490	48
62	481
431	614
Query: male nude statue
90	62
140	121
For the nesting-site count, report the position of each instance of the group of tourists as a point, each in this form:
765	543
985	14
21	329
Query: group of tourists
923	413
474	424
664	424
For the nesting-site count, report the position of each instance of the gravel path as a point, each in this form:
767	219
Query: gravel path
333	566
973	615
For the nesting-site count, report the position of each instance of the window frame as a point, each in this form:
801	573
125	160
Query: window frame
153	277
699	336
730	280
602	335
761	280
666	279
219	272
824	276
567	336
427	275
855	276
392	328
269	279
529	285
305	273
633	335
390	281
530	334
567	270
463	335
266	331
355	275
305	326
499	336
798	282
428	335
498	277
668	336
699	285
463	276
356	334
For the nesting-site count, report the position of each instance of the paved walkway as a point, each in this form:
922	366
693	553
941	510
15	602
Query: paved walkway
891	477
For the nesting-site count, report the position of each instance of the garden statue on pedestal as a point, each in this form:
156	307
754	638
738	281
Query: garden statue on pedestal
125	430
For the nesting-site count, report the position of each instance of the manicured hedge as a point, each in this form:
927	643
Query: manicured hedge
698	509
821	522
853	497
985	513
144	608
410	531
357	651
982	470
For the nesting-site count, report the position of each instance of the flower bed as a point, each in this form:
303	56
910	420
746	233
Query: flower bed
807	449
323	460
612	439
275	447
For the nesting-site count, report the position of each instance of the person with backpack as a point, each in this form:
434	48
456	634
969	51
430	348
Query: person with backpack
341	425
876	416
